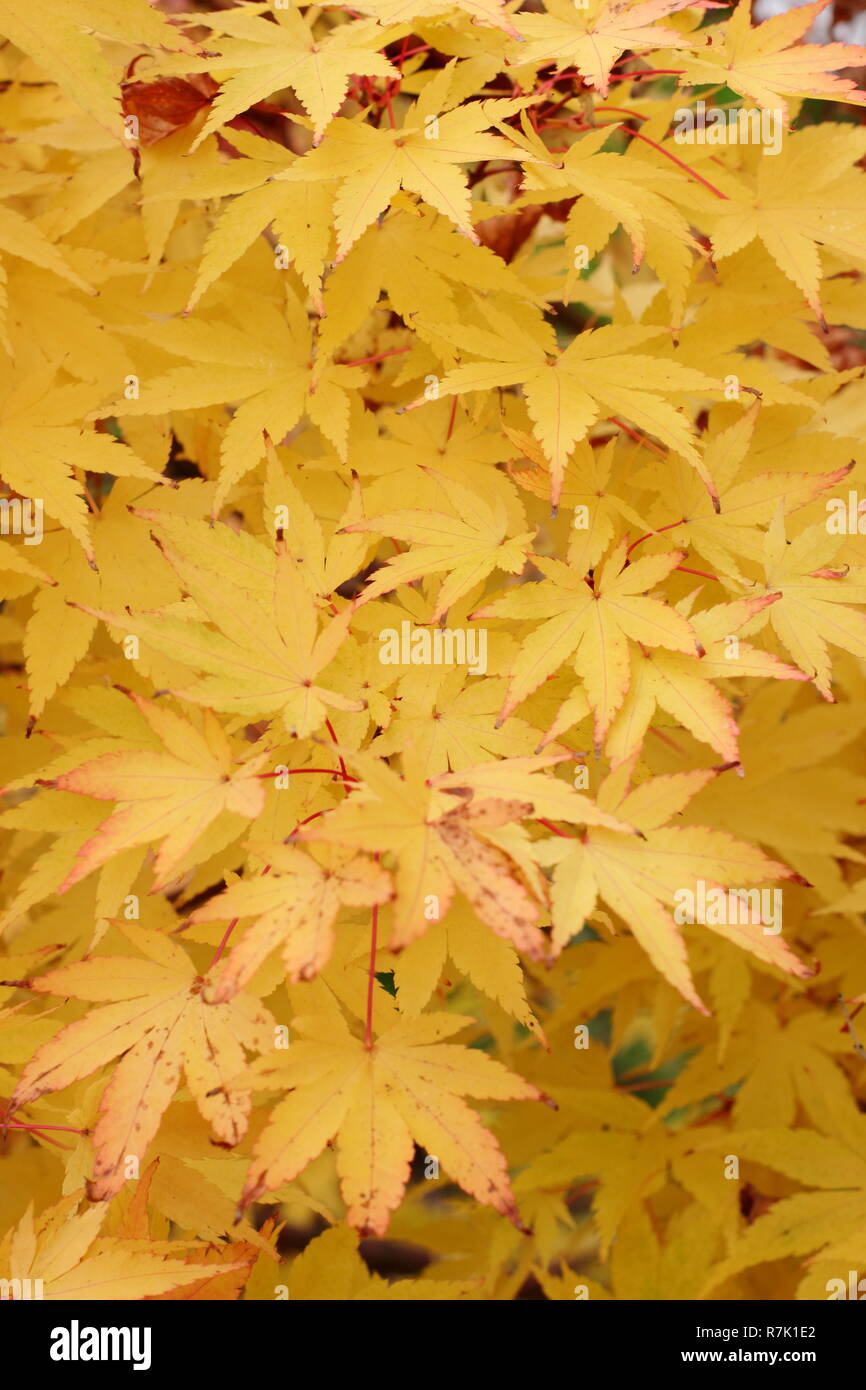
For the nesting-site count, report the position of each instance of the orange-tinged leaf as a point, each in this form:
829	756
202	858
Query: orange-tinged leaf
64	1249
379	1102
163	1023
767	64
592	37
295	907
173	796
446	833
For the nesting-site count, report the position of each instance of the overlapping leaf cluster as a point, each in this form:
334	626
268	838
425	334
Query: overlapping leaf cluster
330	333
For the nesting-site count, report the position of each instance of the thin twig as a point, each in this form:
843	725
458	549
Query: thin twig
858	1046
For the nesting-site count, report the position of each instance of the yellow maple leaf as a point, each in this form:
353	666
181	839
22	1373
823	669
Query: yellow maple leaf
805	197
630	191
158	1014
747	500
269	369
593	625
43	442
174	795
264	656
566	391
63	1254
469	545
421	156
266	57
808	1221
481	12
640	878
592	37
818	603
69	52
443	833
683	685
295	906
379	1101
766	63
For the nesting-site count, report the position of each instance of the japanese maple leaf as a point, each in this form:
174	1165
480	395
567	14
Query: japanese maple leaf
766	63
483	12
422	157
566	392
413	258
163	107
469	545
159	1015
828	1220
805	197
63	1248
638	877
301	216
593	627
747	504
854	901
685	686
449	724
69	52
168	171
815	608
413	255
266	366
378	1101
491	964
194	548
443	834
646	1263
630	1153
592	38
173	795
295	906
42	444
422	437
626	189
266	57
263	658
